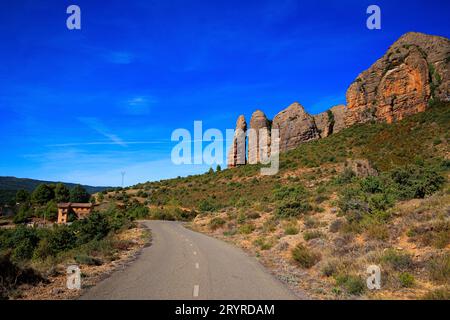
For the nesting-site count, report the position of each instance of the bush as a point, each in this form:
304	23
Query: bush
22	241
406	279
439	268
13	276
438	294
263	244
305	257
61	238
207	205
397	260
289	192
88	260
345	177
416	182
353	284
314	234
138	212
216	223
292	208
246	228
291	229
95	227
372	184
329	269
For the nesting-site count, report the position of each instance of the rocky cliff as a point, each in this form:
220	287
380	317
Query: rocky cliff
412	74
414	71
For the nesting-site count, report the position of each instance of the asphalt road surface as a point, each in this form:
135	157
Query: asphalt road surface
182	264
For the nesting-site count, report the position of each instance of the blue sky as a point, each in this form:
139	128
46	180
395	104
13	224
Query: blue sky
82	106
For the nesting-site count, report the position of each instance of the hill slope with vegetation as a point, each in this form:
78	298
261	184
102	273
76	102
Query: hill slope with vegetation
373	193
10	185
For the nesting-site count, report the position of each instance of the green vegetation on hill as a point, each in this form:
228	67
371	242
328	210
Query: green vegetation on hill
418	143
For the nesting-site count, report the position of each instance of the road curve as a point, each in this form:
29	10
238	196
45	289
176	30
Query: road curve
182	264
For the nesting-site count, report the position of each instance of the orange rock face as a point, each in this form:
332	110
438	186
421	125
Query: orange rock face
414	71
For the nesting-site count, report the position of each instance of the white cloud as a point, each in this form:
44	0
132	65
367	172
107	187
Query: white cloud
100	128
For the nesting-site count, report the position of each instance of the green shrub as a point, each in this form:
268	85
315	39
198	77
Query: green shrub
313	234
292	208
94	227
439	268
291	229
345	177
406	279
329	269
416	182
263	244
438	294
208	205
304	256
397	260
246	228
372	184
292	192
138	212
61	238
88	260
353	284
216	223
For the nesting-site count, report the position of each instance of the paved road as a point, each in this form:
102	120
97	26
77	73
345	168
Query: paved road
182	264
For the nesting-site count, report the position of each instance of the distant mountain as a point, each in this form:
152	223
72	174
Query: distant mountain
10	185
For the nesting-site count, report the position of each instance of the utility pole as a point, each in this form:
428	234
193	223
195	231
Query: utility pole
123	176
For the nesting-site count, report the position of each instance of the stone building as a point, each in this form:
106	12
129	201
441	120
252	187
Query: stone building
80	210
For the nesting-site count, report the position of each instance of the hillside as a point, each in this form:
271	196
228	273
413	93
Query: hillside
374	193
10	185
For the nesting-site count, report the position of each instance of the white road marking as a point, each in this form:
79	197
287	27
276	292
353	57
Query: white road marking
196	290
197	266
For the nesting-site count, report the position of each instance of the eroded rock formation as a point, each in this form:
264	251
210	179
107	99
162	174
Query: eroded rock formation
414	70
295	126
259	137
330	121
237	154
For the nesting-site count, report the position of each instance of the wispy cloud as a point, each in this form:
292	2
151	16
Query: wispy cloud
100	128
119	57
139	105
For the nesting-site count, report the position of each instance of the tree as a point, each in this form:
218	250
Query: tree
51	211
100	197
79	194
22	196
62	193
210	171
218	168
23	215
42	194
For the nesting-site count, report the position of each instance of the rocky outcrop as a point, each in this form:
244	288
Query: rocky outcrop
259	137
414	70
295	126
237	154
330	121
